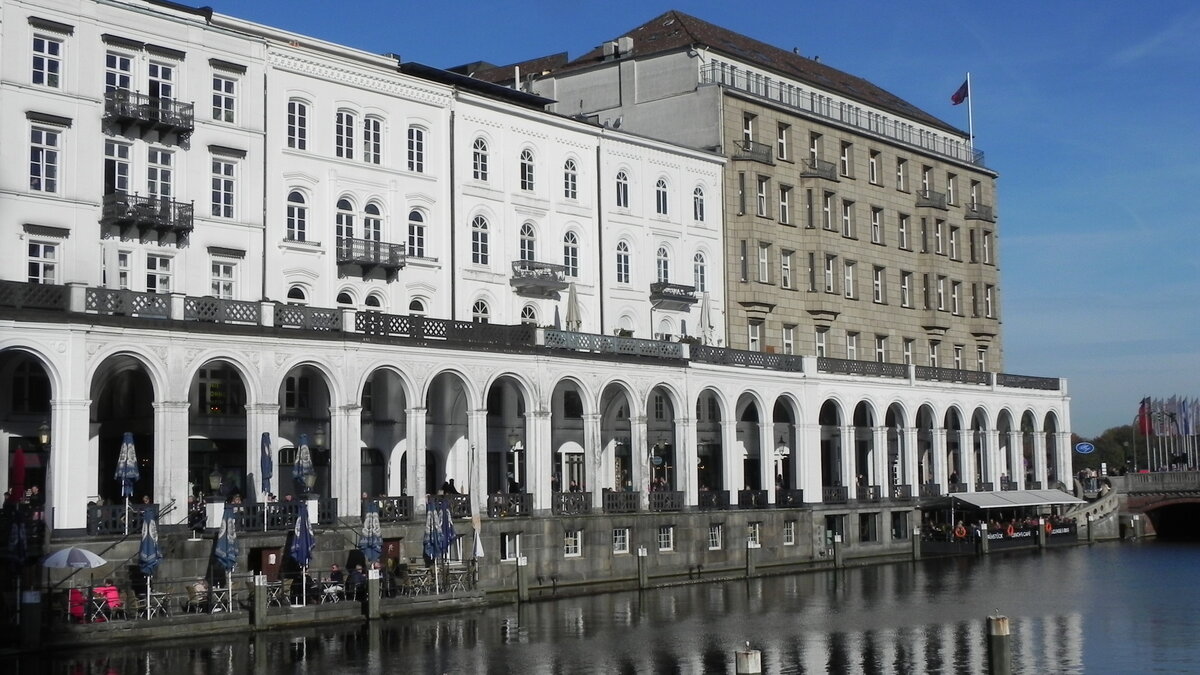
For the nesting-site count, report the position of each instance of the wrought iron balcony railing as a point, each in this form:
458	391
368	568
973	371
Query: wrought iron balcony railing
570	503
931	199
752	499
750	359
713	500
818	168
664	295
126	109
753	150
867	493
669	500
369	254
142	214
789	498
621	502
538	279
835	494
977	211
509	505
826	364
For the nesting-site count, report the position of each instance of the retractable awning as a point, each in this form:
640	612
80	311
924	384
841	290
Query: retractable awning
1014	498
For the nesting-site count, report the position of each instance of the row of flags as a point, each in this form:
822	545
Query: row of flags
1175	416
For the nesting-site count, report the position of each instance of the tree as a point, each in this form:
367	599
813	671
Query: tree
1115	447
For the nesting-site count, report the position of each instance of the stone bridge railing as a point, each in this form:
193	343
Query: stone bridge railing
1166	481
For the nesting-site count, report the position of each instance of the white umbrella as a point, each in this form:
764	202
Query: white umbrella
74	557
705	319
574	316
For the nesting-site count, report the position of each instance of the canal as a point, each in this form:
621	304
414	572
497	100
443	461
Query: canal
1109	608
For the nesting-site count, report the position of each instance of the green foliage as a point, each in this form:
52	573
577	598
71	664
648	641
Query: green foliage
1116	447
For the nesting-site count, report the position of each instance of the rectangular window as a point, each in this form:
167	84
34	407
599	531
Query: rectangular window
42	263
987	247
789	338
924	236
620	540
161	82
847	218
933	352
785	204
846	160
827	211
158	274
44	146
223	175
868	527
666	537
974	299
160	173
939	227
373	142
781	142
224	97
753	535
900	528
902	232
876	225
789	533
812	272
906	281
47	61
851	345
116	167
124	269
343	134
881	348
715	532
741	194
958	357
761	195
297	125
926	179
848	281
941	293
809	209
510	546
744	263
747	127
416	238
821	341
989	307
416	149
224	279
785	268
754	336
879	293
956	298
118	71
901	175
981	359
908	351
873	167
954	252
572	543
814	148
830	266
764	263
951	188
926	290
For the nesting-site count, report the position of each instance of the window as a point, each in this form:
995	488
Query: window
344	220
789	338
987	247
830	265
571	254
224	96
343	134
741	193
747	127
881	348
373	142
785	268
743	262
223	279
901	174
699	273
698	204
416	234
878	291
510	546
297	125
662	265
160	173
908	351
848	279
924	236
479	240
976	189
847	218
754	335
906	281
479	160
933	352
116	167
529	315
124	268
43	159
926	179
989	308
480	312
666	537
296	296
873	167
761	195
620	540
622	190
372	223
941	293
764	263
47	61
161	81
876	225
660	197
926	290
416	307
821	340
43	263
781	142
939	227
956	297
902	232
528	244
753	532
981	359
827	211
158	274
572	543
846	160
951	187
958	357
789	533
868	527
785	204
570	180
851	345
118	71
622	260
715	532
975	300
297	217
527	170
814	149
416	149
223	175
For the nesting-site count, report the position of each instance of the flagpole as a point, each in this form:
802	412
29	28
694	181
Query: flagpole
970	117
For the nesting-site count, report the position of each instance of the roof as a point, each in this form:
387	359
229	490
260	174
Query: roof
479	86
490	72
675	30
1014	498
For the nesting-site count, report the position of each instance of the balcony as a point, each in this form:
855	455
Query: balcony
621	502
929	490
835	494
713	500
138	215
827	364
672	297
752	499
369	254
125	110
931	200
509	505
669	500
818	168
459	506
789	498
867	493
977	211
538	279
570	503
902	492
746	358
753	151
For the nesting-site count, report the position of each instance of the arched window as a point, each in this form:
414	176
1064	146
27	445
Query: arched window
479	312
663	265
698	204
660	197
373	140
479	160
622	262
416	149
416	234
529	315
297	217
297	124
296	296
527	170
344	127
622	190
345	219
416	306
344	299
571	254
479	240
700	273
372	223
528	243
570	180
373	301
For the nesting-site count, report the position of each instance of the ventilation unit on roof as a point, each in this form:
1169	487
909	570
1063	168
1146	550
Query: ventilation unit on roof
624	45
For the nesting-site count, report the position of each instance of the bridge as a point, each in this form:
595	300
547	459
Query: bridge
1165	504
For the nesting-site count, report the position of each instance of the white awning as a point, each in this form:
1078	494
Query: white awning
1015	498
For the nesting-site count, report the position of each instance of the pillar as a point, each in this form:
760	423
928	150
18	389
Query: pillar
910	459
593	448
639	469
966	458
732	467
941	472
882	474
477	437
686	460
262	417
766	461
66	486
807	452
1040	464
995	459
415	459
345	464
1016	459
846	446
540	456
171	456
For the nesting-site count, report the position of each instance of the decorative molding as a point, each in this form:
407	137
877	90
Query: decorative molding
227	151
52	26
325	69
46	118
218	64
226	252
47	231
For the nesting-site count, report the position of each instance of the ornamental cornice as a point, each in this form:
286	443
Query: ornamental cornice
483	121
327	70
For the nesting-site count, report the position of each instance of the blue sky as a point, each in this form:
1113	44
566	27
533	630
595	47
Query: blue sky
1088	110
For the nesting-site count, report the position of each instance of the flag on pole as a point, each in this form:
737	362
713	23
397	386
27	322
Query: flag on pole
962	93
1143	417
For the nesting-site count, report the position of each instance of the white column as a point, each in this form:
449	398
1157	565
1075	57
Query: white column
966	457
261	417
686	460
1062	458
911	460
477	436
1039	460
593	449
67	487
941	470
541	456
995	459
639	470
345	458
732	468
1016	459
766	461
806	456
415	459
882	474
848	446
171	456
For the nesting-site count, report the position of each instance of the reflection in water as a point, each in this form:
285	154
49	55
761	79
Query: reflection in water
1086	609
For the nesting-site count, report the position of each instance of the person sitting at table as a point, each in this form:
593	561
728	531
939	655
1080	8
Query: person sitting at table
357	581
110	596
335	574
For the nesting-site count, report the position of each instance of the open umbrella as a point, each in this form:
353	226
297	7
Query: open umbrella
265	464
127	472
16	475
706	327
303	471
303	543
74	557
226	549
371	541
149	553
574	315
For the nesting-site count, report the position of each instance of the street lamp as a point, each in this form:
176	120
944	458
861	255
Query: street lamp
319	436
44	433
515	447
781	450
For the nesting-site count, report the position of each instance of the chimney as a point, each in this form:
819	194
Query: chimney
624	45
